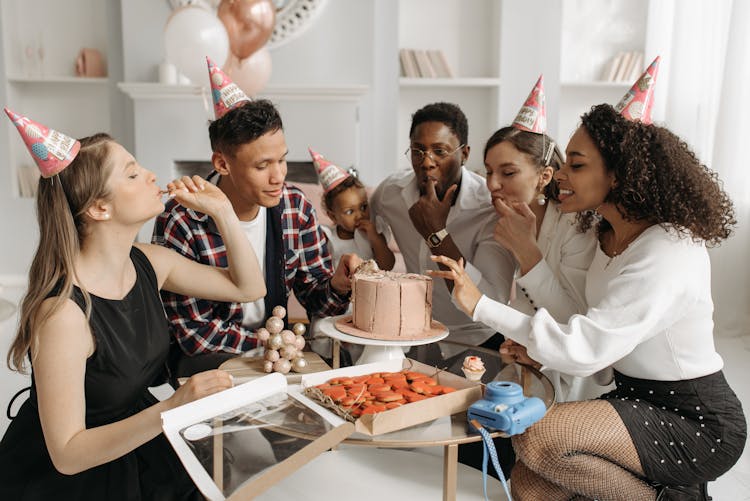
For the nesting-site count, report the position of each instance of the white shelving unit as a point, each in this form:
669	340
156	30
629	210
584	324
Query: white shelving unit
470	40
41	41
592	33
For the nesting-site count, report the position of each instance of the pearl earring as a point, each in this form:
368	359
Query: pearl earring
106	216
541	199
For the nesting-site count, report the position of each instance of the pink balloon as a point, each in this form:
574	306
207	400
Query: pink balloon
249	24
251	74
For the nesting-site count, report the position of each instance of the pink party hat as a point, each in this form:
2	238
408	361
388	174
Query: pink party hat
52	151
330	175
532	116
226	94
637	103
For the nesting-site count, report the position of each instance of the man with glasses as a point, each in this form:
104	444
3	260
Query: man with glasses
450	208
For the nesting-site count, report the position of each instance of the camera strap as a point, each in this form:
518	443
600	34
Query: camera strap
490	451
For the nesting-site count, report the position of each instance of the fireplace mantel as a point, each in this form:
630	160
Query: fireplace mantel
152	90
170	124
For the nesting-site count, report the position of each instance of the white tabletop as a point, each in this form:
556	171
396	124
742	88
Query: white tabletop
369	474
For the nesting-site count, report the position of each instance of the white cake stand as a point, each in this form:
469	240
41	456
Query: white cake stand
376	350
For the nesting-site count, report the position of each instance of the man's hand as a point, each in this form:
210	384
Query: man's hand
429	214
342	276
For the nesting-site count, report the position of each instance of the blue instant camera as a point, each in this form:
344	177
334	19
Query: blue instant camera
505	408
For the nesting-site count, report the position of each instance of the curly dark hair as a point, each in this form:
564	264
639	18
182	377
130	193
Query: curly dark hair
344	185
243	124
535	146
658	178
447	113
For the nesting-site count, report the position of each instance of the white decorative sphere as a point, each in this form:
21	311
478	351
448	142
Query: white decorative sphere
268	366
275	342
299	342
282	365
272	355
263	334
299	364
274	325
299	329
288	352
288	336
279	312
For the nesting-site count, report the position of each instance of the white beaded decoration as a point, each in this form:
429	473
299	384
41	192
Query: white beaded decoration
283	346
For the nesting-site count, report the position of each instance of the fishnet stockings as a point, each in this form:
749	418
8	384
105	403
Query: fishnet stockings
578	449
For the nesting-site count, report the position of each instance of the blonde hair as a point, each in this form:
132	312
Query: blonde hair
61	204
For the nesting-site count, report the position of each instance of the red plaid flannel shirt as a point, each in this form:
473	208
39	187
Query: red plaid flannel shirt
202	326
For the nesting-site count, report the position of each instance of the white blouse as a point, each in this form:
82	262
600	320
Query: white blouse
649	315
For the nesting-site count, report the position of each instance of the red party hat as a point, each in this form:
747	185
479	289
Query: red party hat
330	175
532	116
636	104
51	150
225	93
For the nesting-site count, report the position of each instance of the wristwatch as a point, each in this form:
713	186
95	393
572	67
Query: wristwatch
435	239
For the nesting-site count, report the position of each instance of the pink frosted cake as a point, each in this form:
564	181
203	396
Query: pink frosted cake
391	306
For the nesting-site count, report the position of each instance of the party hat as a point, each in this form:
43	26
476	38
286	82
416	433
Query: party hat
52	151
226	94
532	116
636	104
330	175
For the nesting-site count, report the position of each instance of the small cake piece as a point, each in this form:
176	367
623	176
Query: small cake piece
473	368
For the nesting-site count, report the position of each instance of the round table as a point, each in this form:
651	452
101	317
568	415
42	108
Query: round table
376	350
452	431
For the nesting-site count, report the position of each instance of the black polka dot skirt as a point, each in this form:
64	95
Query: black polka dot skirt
685	432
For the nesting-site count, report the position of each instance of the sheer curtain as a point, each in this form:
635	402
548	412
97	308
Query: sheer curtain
706	101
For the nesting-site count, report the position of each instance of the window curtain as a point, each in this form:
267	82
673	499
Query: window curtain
705	99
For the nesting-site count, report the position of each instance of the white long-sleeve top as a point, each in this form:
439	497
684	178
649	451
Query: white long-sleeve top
649	315
470	223
558	281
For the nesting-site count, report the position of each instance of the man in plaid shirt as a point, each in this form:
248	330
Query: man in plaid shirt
249	158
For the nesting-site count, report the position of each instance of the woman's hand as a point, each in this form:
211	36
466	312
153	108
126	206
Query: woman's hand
516	231
465	292
198	194
200	385
514	352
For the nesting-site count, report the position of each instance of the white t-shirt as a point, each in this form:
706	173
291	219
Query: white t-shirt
358	245
254	313
649	315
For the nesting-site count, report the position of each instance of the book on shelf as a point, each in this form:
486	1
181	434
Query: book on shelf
423	63
408	63
420	63
624	67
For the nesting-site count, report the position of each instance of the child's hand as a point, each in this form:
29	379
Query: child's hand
368	228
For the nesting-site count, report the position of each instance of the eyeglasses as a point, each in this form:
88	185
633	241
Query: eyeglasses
437	154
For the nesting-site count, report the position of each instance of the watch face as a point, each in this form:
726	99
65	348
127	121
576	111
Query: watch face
434	240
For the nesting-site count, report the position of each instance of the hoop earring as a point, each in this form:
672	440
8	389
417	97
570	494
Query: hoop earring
541	199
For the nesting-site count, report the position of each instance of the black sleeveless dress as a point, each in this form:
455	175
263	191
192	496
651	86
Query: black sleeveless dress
132	343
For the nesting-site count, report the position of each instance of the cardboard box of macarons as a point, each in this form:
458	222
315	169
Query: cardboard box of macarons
387	396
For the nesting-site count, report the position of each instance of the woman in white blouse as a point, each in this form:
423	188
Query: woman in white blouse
551	251
673	423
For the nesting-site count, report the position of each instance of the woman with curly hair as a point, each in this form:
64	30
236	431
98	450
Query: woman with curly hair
673	423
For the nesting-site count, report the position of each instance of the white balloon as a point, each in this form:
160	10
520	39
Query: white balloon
191	34
251	74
